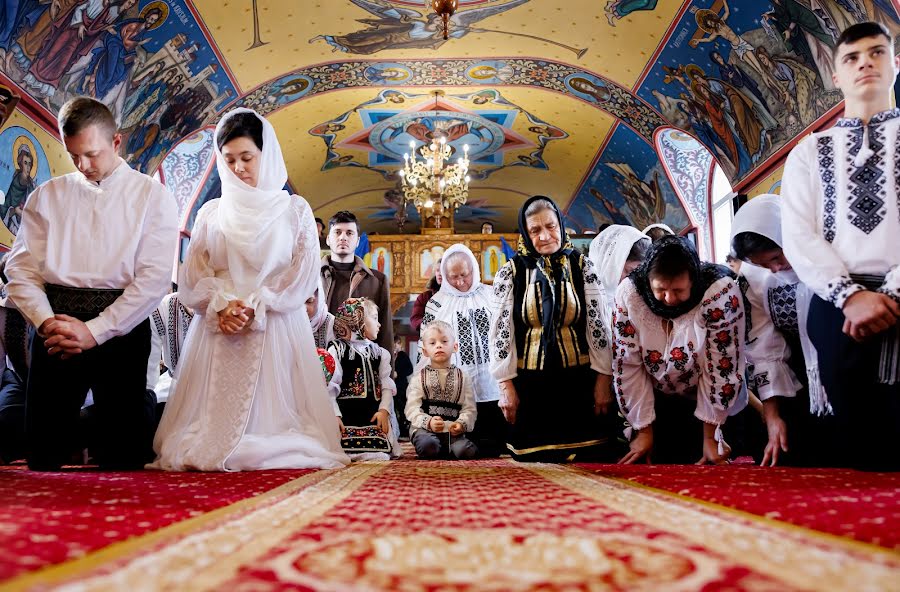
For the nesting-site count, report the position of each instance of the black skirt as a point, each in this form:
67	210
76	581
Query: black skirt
555	420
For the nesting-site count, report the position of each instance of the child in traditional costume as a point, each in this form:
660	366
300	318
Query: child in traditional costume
361	385
440	405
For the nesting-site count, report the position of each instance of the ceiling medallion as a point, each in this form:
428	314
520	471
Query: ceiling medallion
435	188
444	9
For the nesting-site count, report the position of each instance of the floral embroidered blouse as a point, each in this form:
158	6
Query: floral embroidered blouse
697	355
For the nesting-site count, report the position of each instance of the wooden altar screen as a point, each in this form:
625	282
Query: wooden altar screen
408	259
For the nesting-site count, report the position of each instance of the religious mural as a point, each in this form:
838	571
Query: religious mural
8	101
745	80
186	169
23	166
619	9
148	61
407	25
492	259
627	185
377	134
689	166
557	77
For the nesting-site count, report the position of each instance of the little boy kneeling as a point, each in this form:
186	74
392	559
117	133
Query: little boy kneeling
439	399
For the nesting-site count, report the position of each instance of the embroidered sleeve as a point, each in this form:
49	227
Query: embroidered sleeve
430	312
502	339
598	339
388	386
198	286
334	387
632	384
722	311
891	285
469	411
768	372
417	418
808	180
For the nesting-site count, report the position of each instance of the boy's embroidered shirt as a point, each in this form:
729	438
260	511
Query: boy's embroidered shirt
841	211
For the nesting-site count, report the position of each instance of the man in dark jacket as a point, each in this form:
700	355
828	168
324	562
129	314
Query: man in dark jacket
345	275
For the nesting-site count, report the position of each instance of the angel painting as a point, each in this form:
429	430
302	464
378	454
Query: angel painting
644	200
399	27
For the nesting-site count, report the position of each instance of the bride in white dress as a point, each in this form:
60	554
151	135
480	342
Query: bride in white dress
251	393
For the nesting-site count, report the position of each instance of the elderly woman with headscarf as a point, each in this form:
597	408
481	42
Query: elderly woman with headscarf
244	399
465	304
678	363
549	346
615	253
779	351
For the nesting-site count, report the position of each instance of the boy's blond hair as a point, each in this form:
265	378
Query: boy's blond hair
441	326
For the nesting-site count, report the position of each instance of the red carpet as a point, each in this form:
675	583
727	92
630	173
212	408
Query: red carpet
861	506
442	526
49	518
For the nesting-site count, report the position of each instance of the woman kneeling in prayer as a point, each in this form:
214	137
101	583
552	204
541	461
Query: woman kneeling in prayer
616	252
244	399
679	328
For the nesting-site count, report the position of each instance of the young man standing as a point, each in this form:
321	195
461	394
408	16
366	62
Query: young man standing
345	275
91	261
840	225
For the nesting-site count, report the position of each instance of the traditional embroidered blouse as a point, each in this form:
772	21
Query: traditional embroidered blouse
841	211
516	326
701	355
773	314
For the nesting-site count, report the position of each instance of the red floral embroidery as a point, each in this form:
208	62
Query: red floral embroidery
725	366
679	358
727	394
626	329
716	314
653	359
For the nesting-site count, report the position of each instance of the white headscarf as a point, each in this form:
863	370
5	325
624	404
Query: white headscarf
321	307
609	253
462	311
659	225
257	231
476	273
760	215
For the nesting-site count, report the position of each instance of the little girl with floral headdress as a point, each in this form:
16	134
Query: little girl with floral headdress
361	385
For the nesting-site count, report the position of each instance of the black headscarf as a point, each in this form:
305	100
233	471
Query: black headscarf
702	275
552	270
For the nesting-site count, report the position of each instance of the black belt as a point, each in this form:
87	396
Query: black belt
66	300
889	360
868	281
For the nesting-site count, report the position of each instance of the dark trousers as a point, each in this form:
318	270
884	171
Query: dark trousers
116	372
431	446
866	413
12	417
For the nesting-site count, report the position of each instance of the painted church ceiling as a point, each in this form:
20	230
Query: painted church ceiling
561	97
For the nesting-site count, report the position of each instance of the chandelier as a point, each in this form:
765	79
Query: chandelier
435	188
444	9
